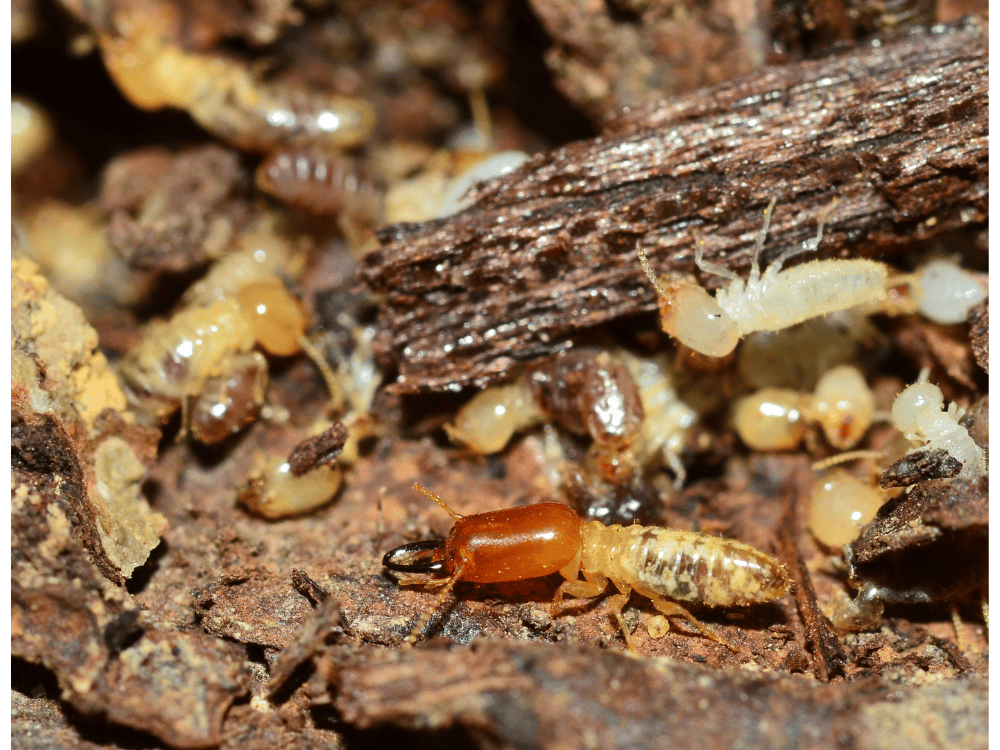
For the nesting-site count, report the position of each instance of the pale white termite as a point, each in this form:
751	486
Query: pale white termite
919	413
776	418
944	292
839	505
770	301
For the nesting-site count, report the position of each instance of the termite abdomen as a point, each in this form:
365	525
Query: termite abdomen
688	566
320	183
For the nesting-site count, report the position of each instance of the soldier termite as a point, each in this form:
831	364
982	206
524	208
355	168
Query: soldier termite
768	301
534	541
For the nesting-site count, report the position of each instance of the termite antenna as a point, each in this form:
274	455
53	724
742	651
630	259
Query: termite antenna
842	458
437	498
185	420
482	120
332	384
426	616
809	245
644	262
758	245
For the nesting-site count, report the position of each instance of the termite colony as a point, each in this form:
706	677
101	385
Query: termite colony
808	352
784	360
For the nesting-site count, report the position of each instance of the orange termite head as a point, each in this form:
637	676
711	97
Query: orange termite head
503	545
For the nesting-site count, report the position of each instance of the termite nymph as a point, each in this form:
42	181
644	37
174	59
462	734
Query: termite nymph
768	301
534	541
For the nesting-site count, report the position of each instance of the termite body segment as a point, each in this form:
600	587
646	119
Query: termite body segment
768	301
659	563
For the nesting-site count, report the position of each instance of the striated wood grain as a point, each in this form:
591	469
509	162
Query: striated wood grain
897	132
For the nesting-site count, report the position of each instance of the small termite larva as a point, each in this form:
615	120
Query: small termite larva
839	505
918	412
944	292
770	301
534	541
309	478
776	418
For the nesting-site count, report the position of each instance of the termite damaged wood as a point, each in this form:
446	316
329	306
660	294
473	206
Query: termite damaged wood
897	132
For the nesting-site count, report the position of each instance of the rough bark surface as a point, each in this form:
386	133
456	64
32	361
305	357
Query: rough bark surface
896	132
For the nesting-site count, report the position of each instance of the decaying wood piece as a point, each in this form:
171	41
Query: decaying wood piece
897	132
528	695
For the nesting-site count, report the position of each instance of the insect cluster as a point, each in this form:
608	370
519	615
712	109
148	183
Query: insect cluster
807	324
629	428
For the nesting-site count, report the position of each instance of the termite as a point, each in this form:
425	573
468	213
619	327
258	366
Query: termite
775	418
536	540
919	413
770	301
320	182
223	94
177	359
943	291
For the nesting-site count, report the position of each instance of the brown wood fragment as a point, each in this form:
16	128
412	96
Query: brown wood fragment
979	334
321	450
530	695
897	132
920	466
930	546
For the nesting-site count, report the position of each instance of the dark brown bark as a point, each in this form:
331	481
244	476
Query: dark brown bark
898	133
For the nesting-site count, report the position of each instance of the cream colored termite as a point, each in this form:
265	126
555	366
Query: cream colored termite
768	301
776	418
919	413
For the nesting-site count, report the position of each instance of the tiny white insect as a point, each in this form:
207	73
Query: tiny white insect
768	301
918	412
776	418
944	292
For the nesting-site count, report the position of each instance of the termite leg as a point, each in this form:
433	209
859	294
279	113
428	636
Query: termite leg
712	268
185	419
616	603
332	384
956	622
448	585
593	586
809	245
672	609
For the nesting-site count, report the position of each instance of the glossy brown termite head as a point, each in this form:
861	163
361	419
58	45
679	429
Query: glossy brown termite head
494	547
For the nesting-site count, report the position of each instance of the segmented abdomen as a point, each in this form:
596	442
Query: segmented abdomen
684	565
806	291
